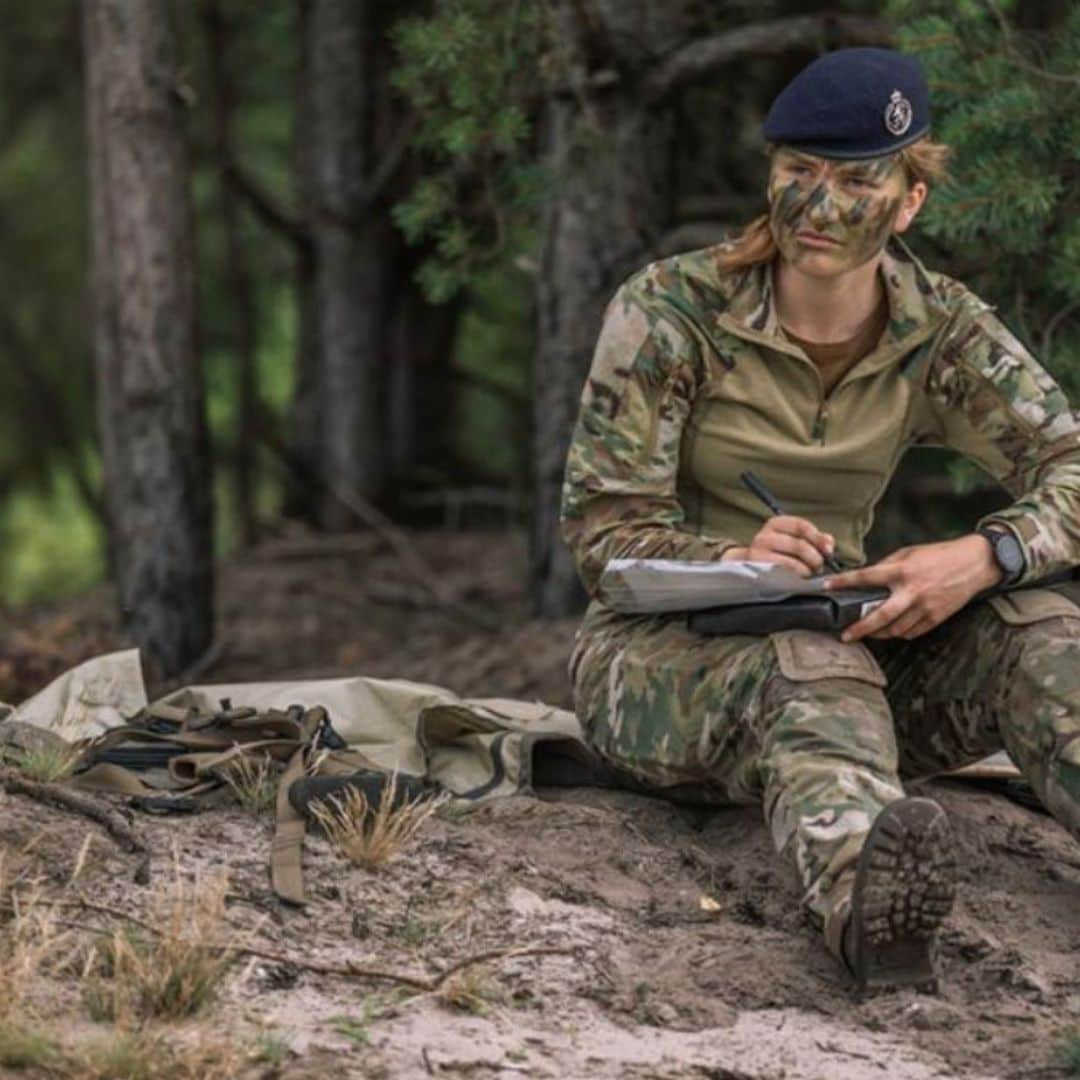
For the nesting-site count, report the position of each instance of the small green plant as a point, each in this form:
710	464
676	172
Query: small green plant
253	782
25	1048
269	1049
1069	1054
351	1028
414	931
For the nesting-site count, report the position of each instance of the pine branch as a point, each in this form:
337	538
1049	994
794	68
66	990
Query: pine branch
1018	57
703	57
391	161
265	207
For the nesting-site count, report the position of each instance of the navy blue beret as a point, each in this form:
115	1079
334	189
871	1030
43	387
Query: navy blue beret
852	103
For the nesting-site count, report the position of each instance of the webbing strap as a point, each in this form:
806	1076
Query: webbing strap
188	768
286	872
105	776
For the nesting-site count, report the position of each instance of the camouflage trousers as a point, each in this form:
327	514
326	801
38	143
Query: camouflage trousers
821	732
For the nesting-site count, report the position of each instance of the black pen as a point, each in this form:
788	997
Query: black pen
766	496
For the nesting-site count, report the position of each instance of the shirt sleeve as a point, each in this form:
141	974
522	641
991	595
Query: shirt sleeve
619	495
1002	409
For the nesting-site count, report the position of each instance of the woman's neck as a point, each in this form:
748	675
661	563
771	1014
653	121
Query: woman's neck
826	309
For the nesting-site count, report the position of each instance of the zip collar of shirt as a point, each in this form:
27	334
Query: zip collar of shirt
916	310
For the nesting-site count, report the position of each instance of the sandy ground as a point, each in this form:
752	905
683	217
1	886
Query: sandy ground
652	941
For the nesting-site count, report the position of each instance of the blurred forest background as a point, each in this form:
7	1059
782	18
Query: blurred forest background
335	260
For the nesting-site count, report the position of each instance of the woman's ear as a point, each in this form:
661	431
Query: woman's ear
910	206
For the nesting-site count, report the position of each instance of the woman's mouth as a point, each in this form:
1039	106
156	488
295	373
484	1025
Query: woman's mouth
818	240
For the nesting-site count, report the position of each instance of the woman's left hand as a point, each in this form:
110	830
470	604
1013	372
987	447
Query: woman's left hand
928	582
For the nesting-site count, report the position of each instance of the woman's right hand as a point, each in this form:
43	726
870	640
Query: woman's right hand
788	541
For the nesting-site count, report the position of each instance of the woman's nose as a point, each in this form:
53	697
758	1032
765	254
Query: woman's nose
820	208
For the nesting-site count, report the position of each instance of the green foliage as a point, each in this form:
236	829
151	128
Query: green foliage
51	540
1008	103
1068	1053
46	408
23	1047
472	72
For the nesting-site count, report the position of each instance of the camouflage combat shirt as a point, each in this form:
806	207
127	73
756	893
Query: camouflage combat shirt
693	381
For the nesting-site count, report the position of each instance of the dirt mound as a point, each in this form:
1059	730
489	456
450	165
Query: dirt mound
602	934
618	936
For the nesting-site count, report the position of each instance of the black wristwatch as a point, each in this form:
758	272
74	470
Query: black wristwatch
1008	553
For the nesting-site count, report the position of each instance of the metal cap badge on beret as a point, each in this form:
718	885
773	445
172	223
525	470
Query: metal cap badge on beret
852	103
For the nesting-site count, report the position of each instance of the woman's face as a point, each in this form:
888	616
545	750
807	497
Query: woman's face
829	217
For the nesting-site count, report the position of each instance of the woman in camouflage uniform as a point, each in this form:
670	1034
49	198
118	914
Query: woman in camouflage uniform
814	350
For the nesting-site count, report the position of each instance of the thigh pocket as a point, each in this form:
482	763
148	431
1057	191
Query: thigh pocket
1026	606
808	655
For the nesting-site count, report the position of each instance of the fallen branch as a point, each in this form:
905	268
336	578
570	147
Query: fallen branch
499	954
346	970
65	798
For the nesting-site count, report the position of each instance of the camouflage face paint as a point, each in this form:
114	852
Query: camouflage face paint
833	216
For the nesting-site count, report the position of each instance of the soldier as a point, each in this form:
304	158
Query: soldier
815	349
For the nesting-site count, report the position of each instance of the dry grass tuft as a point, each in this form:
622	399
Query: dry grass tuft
23	1047
472	990
149	1055
254	782
367	836
32	945
45	763
173	972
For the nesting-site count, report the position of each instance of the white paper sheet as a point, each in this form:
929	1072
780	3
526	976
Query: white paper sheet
649	586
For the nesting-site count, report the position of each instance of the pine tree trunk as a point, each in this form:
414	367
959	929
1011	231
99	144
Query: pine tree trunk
603	224
150	394
349	248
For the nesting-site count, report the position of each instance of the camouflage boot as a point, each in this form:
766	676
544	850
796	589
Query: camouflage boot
903	891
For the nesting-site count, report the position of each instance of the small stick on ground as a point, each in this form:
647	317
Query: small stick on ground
500	954
347	970
67	799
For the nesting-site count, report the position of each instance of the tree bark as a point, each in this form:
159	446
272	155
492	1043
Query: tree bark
603	223
349	251
150	392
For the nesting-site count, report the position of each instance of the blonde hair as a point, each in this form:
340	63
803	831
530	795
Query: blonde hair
924	161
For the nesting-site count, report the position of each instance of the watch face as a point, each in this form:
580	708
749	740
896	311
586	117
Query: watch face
1009	553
